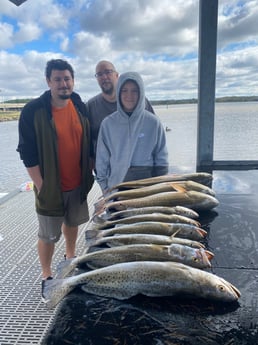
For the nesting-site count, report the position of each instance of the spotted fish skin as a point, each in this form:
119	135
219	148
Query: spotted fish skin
150	278
181	230
195	257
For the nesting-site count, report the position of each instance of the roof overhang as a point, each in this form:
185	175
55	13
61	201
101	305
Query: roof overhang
17	2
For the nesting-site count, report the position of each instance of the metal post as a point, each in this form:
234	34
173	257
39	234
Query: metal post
208	14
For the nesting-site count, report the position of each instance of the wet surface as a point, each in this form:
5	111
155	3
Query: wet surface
233	237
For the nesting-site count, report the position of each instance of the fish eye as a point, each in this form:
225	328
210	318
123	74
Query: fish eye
195	259
221	288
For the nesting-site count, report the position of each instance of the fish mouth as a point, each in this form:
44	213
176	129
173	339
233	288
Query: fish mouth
236	294
209	255
235	291
206	256
202	232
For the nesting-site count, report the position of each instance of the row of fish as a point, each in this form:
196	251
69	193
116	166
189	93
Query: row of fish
161	191
152	248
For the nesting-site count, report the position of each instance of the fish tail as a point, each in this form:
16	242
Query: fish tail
97	219
55	290
99	206
92	235
64	268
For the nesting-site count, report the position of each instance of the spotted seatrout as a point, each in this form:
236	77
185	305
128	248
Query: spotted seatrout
100	223
195	257
179	210
181	230
126	239
150	278
201	177
159	188
192	199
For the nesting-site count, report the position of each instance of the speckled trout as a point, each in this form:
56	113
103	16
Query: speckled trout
201	177
179	210
100	223
195	257
192	199
126	239
179	186
150	278
181	230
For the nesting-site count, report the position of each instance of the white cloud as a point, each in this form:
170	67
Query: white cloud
6	35
157	38
27	32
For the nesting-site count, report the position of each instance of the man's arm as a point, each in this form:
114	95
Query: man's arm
36	177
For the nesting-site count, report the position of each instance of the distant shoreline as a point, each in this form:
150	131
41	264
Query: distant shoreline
217	100
11	115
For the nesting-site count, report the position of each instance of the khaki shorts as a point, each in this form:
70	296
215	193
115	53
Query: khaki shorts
50	228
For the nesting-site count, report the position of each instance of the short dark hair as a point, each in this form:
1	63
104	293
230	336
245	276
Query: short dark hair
58	64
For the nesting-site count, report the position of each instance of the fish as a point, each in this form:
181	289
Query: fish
200	177
159	188
100	223
179	210
126	239
195	257
191	199
181	230
151	278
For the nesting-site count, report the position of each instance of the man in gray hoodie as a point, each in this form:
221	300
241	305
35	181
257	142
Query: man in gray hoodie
131	143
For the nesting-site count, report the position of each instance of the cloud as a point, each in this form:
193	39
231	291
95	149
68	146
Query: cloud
157	38
143	26
6	35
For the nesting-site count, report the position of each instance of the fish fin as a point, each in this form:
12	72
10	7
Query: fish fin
175	233
64	268
54	291
178	187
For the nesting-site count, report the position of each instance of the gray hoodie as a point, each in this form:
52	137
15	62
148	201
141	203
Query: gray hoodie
130	147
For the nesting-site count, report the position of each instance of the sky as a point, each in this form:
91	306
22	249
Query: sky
157	38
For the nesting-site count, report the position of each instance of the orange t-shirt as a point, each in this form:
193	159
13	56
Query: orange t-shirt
69	135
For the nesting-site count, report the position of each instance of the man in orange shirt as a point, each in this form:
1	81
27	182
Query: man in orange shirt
54	144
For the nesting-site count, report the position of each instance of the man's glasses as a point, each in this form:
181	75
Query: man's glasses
107	72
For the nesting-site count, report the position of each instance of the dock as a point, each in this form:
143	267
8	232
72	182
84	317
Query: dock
24	318
82	318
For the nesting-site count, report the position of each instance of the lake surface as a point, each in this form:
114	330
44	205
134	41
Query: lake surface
235	138
235	132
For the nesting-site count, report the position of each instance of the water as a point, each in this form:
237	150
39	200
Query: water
235	138
235	133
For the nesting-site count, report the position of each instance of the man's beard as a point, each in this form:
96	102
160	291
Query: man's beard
108	91
64	96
